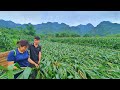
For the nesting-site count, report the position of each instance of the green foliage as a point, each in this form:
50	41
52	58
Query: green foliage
113	35
31	29
106	28
9	38
5	42
66	57
86	35
71	61
64	61
116	46
26	73
67	34
8	73
101	42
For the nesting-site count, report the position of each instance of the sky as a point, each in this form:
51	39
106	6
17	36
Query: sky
72	18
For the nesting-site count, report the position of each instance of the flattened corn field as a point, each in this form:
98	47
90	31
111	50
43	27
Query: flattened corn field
80	58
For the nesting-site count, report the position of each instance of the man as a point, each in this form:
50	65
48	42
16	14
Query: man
35	55
35	52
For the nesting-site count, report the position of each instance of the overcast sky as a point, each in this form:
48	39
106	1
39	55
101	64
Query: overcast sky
72	18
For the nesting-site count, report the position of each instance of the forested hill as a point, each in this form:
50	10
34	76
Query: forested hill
106	28
102	29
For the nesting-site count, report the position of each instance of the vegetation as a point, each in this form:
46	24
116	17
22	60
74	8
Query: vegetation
102	29
8	73
101	42
66	56
30	30
67	34
9	38
64	61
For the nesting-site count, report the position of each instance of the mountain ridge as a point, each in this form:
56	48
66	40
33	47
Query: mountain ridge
102	29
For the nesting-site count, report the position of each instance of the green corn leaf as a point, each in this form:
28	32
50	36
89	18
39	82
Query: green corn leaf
57	76
70	77
3	76
88	76
11	67
27	72
38	75
10	74
17	71
20	76
17	65
3	68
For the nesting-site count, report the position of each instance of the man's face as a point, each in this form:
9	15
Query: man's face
36	41
24	48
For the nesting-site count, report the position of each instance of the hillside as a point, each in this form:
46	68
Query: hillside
51	27
106	28
83	29
102	29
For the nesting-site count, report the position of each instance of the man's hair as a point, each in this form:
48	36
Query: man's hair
23	43
38	38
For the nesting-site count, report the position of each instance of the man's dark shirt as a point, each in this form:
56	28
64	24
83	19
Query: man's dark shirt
34	52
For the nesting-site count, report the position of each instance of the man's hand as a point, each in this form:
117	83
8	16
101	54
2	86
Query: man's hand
39	62
32	62
36	65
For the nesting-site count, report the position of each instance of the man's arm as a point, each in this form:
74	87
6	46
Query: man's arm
10	59
32	62
10	63
39	57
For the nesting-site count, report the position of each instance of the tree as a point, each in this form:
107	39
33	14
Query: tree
86	35
31	29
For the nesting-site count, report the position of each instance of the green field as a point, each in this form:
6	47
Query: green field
101	42
70	57
64	60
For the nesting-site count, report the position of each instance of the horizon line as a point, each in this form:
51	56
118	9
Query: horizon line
58	23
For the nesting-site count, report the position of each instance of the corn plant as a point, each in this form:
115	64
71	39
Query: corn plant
73	58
